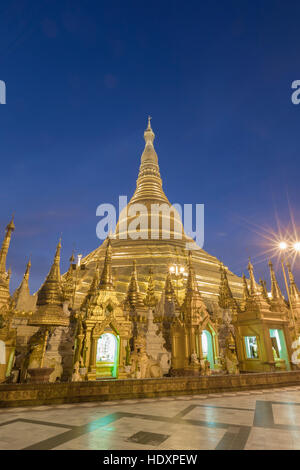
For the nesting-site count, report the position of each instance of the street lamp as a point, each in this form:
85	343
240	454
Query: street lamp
296	247
282	245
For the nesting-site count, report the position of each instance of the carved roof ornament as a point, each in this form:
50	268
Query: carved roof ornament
226	299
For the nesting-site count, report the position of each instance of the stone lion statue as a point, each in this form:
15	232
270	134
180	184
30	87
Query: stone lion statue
143	366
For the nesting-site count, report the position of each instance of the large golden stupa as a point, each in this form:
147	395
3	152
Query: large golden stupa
159	253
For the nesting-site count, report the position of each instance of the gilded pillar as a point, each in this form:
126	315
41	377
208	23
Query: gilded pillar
87	347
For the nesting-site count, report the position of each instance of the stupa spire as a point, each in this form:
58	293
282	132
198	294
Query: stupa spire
191	284
226	299
50	310
169	289
149	183
134	297
24	286
193	306
51	290
150	299
253	286
93	289
27	271
149	135
275	289
68	281
294	291
264	291
26	274
106	280
5	245
245	288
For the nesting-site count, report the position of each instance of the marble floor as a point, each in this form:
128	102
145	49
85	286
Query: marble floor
265	419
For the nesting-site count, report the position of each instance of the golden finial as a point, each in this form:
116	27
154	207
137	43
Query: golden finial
253	287
275	289
245	288
134	296
11	226
106	281
149	134
5	245
72	258
150	299
294	291
27	271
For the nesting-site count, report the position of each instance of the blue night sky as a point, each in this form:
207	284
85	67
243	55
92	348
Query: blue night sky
81	78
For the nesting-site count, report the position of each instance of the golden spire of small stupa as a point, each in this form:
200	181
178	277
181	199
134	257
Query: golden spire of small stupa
245	288
253	286
294	291
5	245
169	289
93	289
50	310
150	299
226	299
51	290
275	289
191	289
264	291
24	286
27	271
134	297
68	282
106	280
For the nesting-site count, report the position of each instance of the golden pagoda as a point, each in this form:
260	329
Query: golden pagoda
156	252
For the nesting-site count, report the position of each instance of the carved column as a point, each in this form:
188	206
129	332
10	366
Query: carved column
87	347
92	365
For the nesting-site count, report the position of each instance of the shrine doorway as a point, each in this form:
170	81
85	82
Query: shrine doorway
207	348
279	349
107	356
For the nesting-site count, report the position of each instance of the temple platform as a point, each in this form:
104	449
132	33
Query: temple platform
15	395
